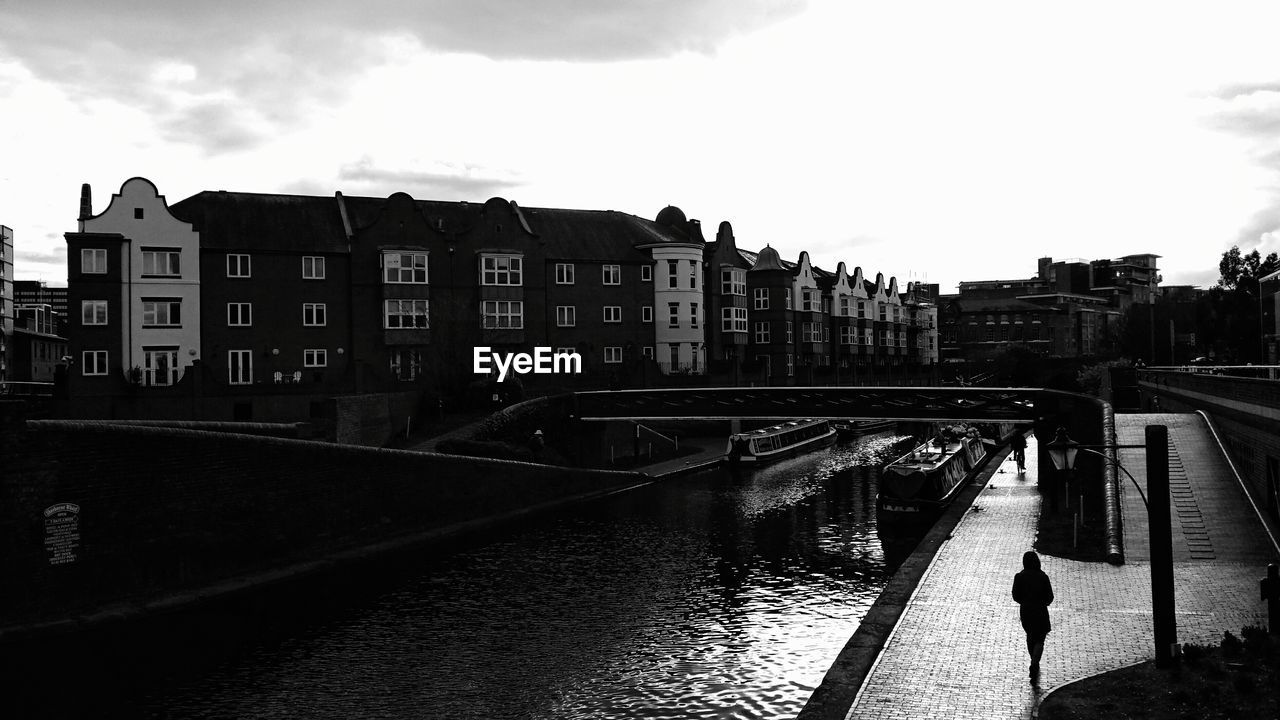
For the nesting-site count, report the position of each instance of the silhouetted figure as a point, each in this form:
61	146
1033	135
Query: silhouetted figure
1019	445
1033	593
536	443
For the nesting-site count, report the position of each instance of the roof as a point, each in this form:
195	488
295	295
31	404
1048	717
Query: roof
305	223
967	305
234	220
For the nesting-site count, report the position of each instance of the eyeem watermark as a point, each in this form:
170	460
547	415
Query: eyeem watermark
543	361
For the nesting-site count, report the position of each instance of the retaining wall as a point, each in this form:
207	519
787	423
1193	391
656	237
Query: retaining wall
166	510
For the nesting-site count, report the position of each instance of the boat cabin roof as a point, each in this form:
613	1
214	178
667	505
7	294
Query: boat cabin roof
790	425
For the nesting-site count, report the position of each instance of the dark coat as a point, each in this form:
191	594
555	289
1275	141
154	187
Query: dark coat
1033	593
1019	442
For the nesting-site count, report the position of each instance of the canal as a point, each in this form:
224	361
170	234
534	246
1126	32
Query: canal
715	595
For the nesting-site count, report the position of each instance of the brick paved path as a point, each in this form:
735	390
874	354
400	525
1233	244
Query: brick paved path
958	650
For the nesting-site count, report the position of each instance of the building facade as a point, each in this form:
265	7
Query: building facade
258	304
6	299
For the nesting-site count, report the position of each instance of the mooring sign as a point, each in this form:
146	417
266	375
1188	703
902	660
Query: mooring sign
62	532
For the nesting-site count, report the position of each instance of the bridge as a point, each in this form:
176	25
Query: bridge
855	403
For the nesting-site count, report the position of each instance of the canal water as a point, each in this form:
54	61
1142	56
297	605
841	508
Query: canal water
716	595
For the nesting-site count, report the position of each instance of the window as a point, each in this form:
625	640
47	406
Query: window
237	266
761	298
862	310
811	332
733	281
312	267
673	272
673	315
693	315
138	213
675	356
886	338
564	273
240	367
502	315
613	355
762	333
315	358
990	334
693	275
902	339
94	362
93	312
868	337
611	275
406	314
239	314
159	366
94	262
809	300
848	335
884	311
501	270
404	268
313	314
566	315
164	263
613	313
646	313
646	273
647	352
565	351
1004	334
733	319
159	312
844	306
791	366
790	335
787	296
406	364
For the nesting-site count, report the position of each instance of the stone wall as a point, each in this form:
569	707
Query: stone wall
166	510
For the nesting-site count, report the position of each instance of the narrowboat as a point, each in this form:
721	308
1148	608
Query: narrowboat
846	429
917	486
773	443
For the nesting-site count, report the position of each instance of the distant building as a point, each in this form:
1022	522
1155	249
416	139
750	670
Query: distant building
1070	308
37	348
6	299
1269	287
37	292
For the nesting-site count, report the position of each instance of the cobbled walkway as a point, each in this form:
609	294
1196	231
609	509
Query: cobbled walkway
958	650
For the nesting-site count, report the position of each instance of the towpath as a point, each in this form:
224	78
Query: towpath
958	651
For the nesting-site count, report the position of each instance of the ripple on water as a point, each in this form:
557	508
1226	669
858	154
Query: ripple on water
713	596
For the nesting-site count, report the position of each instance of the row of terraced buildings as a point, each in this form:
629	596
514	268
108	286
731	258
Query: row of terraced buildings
245	306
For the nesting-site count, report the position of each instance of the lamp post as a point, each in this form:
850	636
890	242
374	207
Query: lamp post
1063	450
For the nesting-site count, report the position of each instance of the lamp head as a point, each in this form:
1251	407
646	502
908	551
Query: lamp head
1062	450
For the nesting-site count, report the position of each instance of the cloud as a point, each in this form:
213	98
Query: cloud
434	181
1252	112
227	76
55	255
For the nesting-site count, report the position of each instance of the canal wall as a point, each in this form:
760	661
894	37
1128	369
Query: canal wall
95	515
1245	412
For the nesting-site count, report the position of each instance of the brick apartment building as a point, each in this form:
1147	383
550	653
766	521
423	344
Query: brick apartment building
253	306
1068	309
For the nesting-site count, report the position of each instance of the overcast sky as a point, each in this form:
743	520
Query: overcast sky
930	141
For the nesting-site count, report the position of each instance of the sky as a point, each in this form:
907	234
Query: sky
929	141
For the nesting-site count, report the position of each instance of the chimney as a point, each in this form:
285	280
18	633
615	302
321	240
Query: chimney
86	202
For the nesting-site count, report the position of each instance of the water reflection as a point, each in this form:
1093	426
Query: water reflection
719	595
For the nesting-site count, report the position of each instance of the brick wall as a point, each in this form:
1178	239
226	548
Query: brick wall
164	510
1244	411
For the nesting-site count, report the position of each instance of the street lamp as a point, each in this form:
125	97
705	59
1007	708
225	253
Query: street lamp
1063	450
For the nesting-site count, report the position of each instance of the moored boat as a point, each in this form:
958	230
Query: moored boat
917	486
852	428
779	441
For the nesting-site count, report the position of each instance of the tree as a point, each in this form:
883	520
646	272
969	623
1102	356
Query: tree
1241	272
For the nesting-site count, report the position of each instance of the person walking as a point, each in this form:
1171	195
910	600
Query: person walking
1019	445
1033	593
